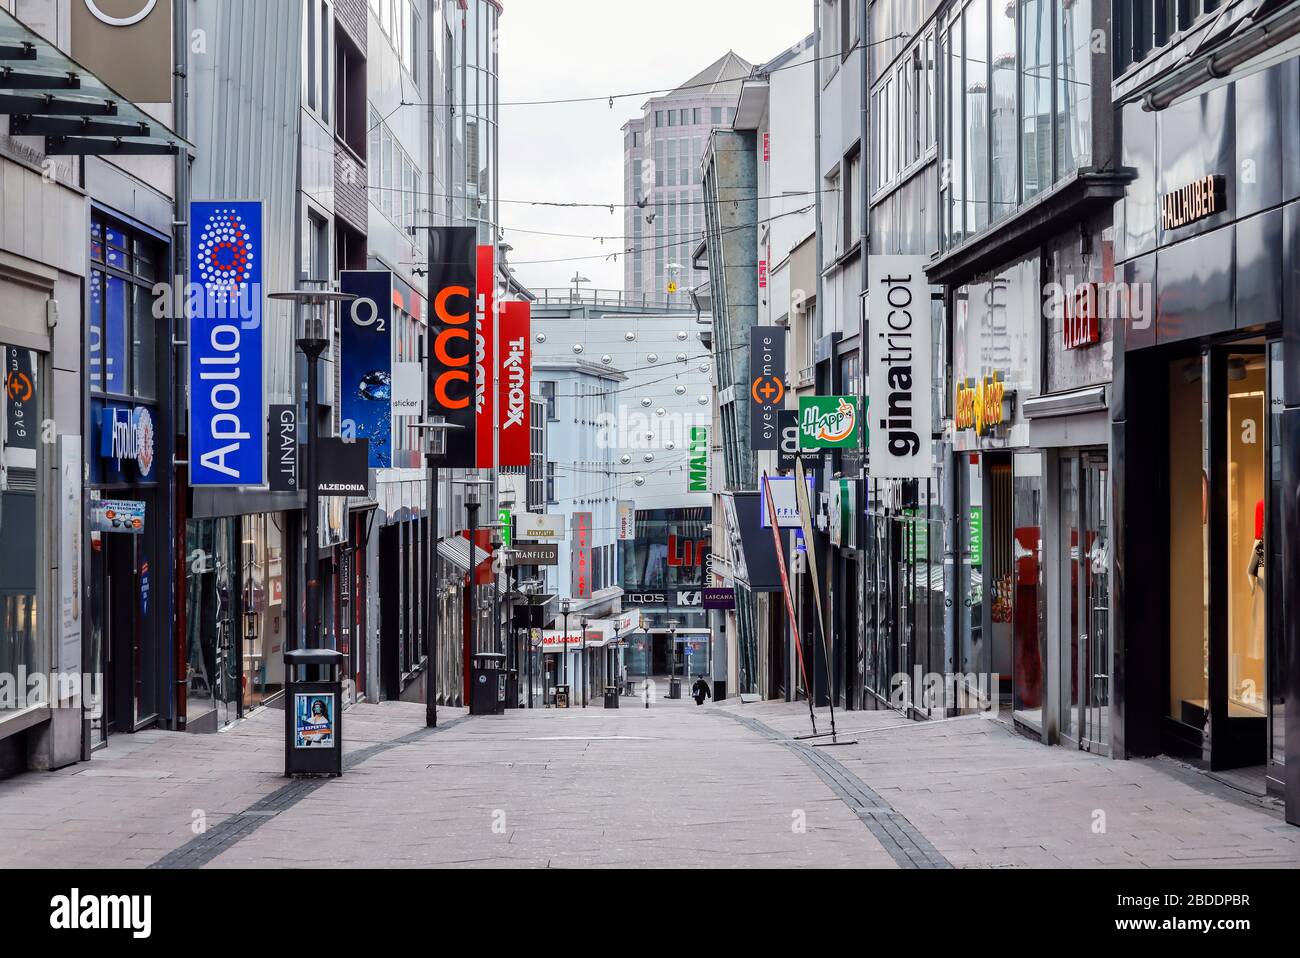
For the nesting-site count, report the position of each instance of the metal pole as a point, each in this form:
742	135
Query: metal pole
564	652
312	349
471	507
435	598
528	648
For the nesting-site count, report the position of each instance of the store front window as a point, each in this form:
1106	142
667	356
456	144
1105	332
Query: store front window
21	650
212	623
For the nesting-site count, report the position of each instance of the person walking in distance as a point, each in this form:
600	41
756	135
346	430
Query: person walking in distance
700	691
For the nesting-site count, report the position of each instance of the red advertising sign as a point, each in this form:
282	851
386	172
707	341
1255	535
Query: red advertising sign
485	364
580	557
515	378
767	147
762	274
1081	327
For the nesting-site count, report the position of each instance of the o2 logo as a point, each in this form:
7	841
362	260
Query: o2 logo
130	19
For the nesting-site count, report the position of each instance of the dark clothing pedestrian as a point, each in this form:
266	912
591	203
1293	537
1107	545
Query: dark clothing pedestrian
700	691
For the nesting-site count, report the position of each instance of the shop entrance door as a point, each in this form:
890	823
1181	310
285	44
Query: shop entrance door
1238	432
1093	572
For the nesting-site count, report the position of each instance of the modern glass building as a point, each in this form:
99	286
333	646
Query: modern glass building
662	150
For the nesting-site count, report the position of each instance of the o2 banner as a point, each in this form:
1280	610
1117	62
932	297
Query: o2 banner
485	368
515	379
366	362
452	355
227	408
899	368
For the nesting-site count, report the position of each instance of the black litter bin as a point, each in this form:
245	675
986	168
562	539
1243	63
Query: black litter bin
561	696
611	696
674	688
487	676
313	712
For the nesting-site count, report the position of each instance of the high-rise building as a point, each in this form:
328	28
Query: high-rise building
664	218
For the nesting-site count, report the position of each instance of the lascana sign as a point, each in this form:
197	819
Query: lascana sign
227	411
899	368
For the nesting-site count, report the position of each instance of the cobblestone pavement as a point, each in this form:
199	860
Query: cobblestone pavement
673	785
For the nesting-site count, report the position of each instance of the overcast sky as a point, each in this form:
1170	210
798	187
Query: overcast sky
574	152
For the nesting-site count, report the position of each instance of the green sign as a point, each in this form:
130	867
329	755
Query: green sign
976	536
698	470
829	422
507	526
918	537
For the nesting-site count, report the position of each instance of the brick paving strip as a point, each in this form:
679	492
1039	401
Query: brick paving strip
905	844
202	849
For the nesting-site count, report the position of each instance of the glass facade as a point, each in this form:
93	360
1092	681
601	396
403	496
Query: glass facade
1018	96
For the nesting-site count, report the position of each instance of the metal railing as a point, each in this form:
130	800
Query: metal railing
612	298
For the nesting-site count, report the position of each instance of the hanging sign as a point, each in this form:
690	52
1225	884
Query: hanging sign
366	361
626	520
783	499
979	405
117	515
452	370
282	449
516	369
227	407
828	422
899	368
766	384
341	467
531	526
20	399
580	557
698	469
485	368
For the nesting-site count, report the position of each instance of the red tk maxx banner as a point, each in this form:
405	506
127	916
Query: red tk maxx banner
514	377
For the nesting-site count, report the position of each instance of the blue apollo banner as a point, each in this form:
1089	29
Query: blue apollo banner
224	302
366	361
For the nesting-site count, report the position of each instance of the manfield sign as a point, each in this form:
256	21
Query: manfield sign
227	407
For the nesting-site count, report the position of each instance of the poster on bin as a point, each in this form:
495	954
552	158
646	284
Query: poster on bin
313	720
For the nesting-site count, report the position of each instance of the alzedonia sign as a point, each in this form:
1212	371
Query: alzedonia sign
1193	202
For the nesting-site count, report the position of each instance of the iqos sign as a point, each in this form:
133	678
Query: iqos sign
145	7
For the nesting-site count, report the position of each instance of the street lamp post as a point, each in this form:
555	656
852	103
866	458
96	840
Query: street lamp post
582	658
564	643
672	643
613	663
312	341
435	447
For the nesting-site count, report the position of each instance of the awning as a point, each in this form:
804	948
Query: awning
456	551
44	92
